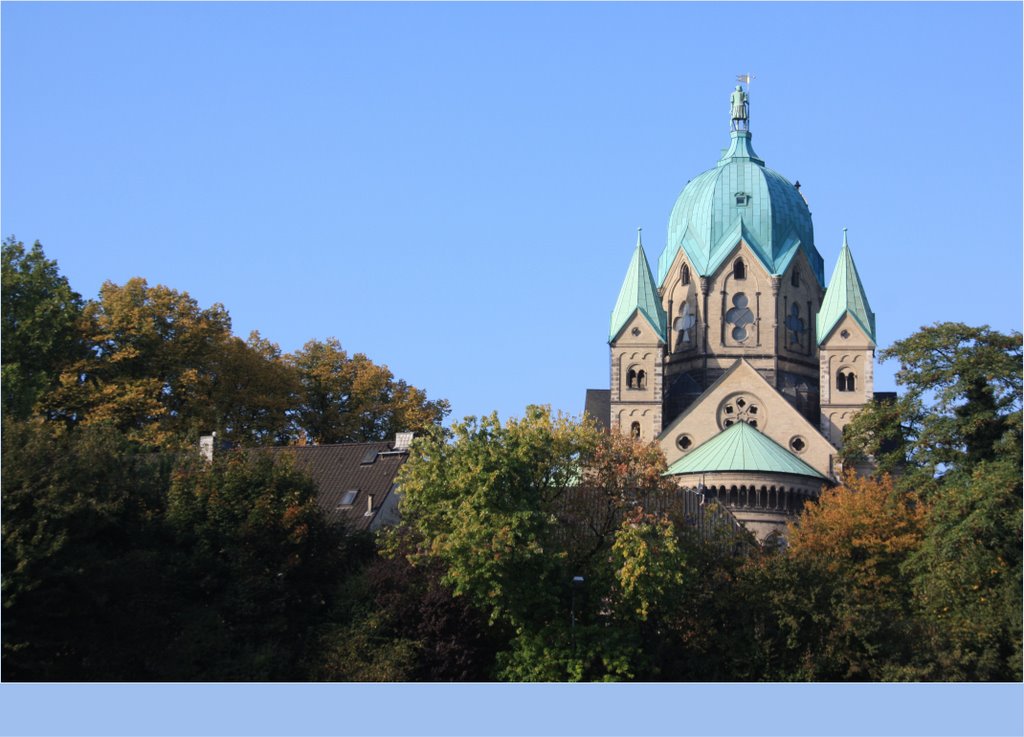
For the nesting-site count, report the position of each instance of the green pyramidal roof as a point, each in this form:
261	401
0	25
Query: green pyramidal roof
741	447
638	293
845	294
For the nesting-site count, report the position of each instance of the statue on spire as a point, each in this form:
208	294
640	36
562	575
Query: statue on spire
740	109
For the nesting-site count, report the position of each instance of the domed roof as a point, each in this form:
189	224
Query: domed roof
740	198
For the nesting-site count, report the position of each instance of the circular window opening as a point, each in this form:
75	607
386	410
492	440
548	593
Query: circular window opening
741	407
845	334
636	331
797	444
684	442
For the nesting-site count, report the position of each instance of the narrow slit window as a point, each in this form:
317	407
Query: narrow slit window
739	270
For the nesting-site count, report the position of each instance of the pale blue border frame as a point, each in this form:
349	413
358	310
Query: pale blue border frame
261	710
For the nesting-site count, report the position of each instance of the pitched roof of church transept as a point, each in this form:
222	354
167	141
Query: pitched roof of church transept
845	294
638	293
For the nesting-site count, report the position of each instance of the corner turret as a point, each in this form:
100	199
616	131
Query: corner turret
637	338
846	339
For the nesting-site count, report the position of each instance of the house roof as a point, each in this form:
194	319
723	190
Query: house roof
638	294
741	447
845	295
366	468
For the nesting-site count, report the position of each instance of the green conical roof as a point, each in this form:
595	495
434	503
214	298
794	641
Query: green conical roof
741	447
845	294
638	293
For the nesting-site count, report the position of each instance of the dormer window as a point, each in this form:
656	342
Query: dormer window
739	270
742	199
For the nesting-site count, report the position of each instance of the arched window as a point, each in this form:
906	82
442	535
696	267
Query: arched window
684	275
846	381
634	430
631	379
739	270
641	379
796	278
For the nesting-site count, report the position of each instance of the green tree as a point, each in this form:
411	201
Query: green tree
962	397
257	563
83	555
40	333
538	522
351	399
967	575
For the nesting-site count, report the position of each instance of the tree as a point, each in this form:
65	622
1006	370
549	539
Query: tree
962	399
257	563
967	575
253	393
148	371
399	622
40	326
836	605
83	555
164	370
343	399
539	523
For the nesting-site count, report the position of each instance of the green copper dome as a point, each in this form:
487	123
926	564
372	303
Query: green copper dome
740	198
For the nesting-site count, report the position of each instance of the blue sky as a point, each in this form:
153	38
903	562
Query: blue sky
453	189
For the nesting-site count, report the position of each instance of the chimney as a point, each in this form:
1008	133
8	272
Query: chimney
206	444
369	506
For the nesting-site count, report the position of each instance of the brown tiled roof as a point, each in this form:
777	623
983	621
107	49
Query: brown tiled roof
344	467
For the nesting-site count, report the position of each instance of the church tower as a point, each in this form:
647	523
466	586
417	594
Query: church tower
846	336
637	340
737	360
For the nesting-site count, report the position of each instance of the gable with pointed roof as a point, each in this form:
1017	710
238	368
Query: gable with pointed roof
845	296
780	420
638	294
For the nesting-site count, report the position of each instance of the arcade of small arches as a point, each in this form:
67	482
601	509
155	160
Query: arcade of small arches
779	498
